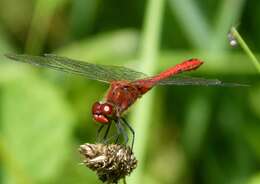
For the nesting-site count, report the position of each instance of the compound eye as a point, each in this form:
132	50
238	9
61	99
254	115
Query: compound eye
96	108
107	109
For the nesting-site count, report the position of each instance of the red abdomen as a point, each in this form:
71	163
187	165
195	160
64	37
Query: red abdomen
188	65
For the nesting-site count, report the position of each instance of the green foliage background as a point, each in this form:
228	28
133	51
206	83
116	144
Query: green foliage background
184	134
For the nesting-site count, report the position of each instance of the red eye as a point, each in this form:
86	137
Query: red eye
100	111
106	109
96	108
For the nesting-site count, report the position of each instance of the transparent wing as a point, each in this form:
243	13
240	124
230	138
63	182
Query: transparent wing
104	73
196	81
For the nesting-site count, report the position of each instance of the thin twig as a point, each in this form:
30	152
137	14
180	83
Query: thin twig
245	47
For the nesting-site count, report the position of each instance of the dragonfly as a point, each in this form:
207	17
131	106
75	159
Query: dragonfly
126	85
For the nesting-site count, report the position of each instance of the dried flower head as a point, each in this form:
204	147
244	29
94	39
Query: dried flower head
110	161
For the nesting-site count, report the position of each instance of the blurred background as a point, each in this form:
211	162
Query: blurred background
206	135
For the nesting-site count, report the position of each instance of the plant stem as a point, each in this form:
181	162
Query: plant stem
141	116
41	20
245	47
193	22
228	14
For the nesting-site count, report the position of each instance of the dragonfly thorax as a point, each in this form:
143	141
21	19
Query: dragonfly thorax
103	112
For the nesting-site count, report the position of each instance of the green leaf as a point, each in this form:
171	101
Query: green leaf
41	21
255	99
228	15
196	124
255	179
120	44
83	15
193	22
37	128
4	43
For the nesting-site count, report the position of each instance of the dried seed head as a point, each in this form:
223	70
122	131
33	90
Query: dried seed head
111	162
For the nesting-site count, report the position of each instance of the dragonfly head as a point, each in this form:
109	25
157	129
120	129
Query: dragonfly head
102	112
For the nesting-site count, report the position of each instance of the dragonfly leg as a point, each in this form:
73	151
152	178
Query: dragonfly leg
98	133
121	130
115	137
132	131
106	133
118	134
104	139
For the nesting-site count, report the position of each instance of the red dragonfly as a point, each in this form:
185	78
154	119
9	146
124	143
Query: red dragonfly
126	85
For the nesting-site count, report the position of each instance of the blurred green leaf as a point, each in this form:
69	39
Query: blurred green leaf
37	128
255	179
196	124
172	157
74	171
119	45
251	134
42	17
82	16
192	21
5	45
227	16
255	99
15	16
